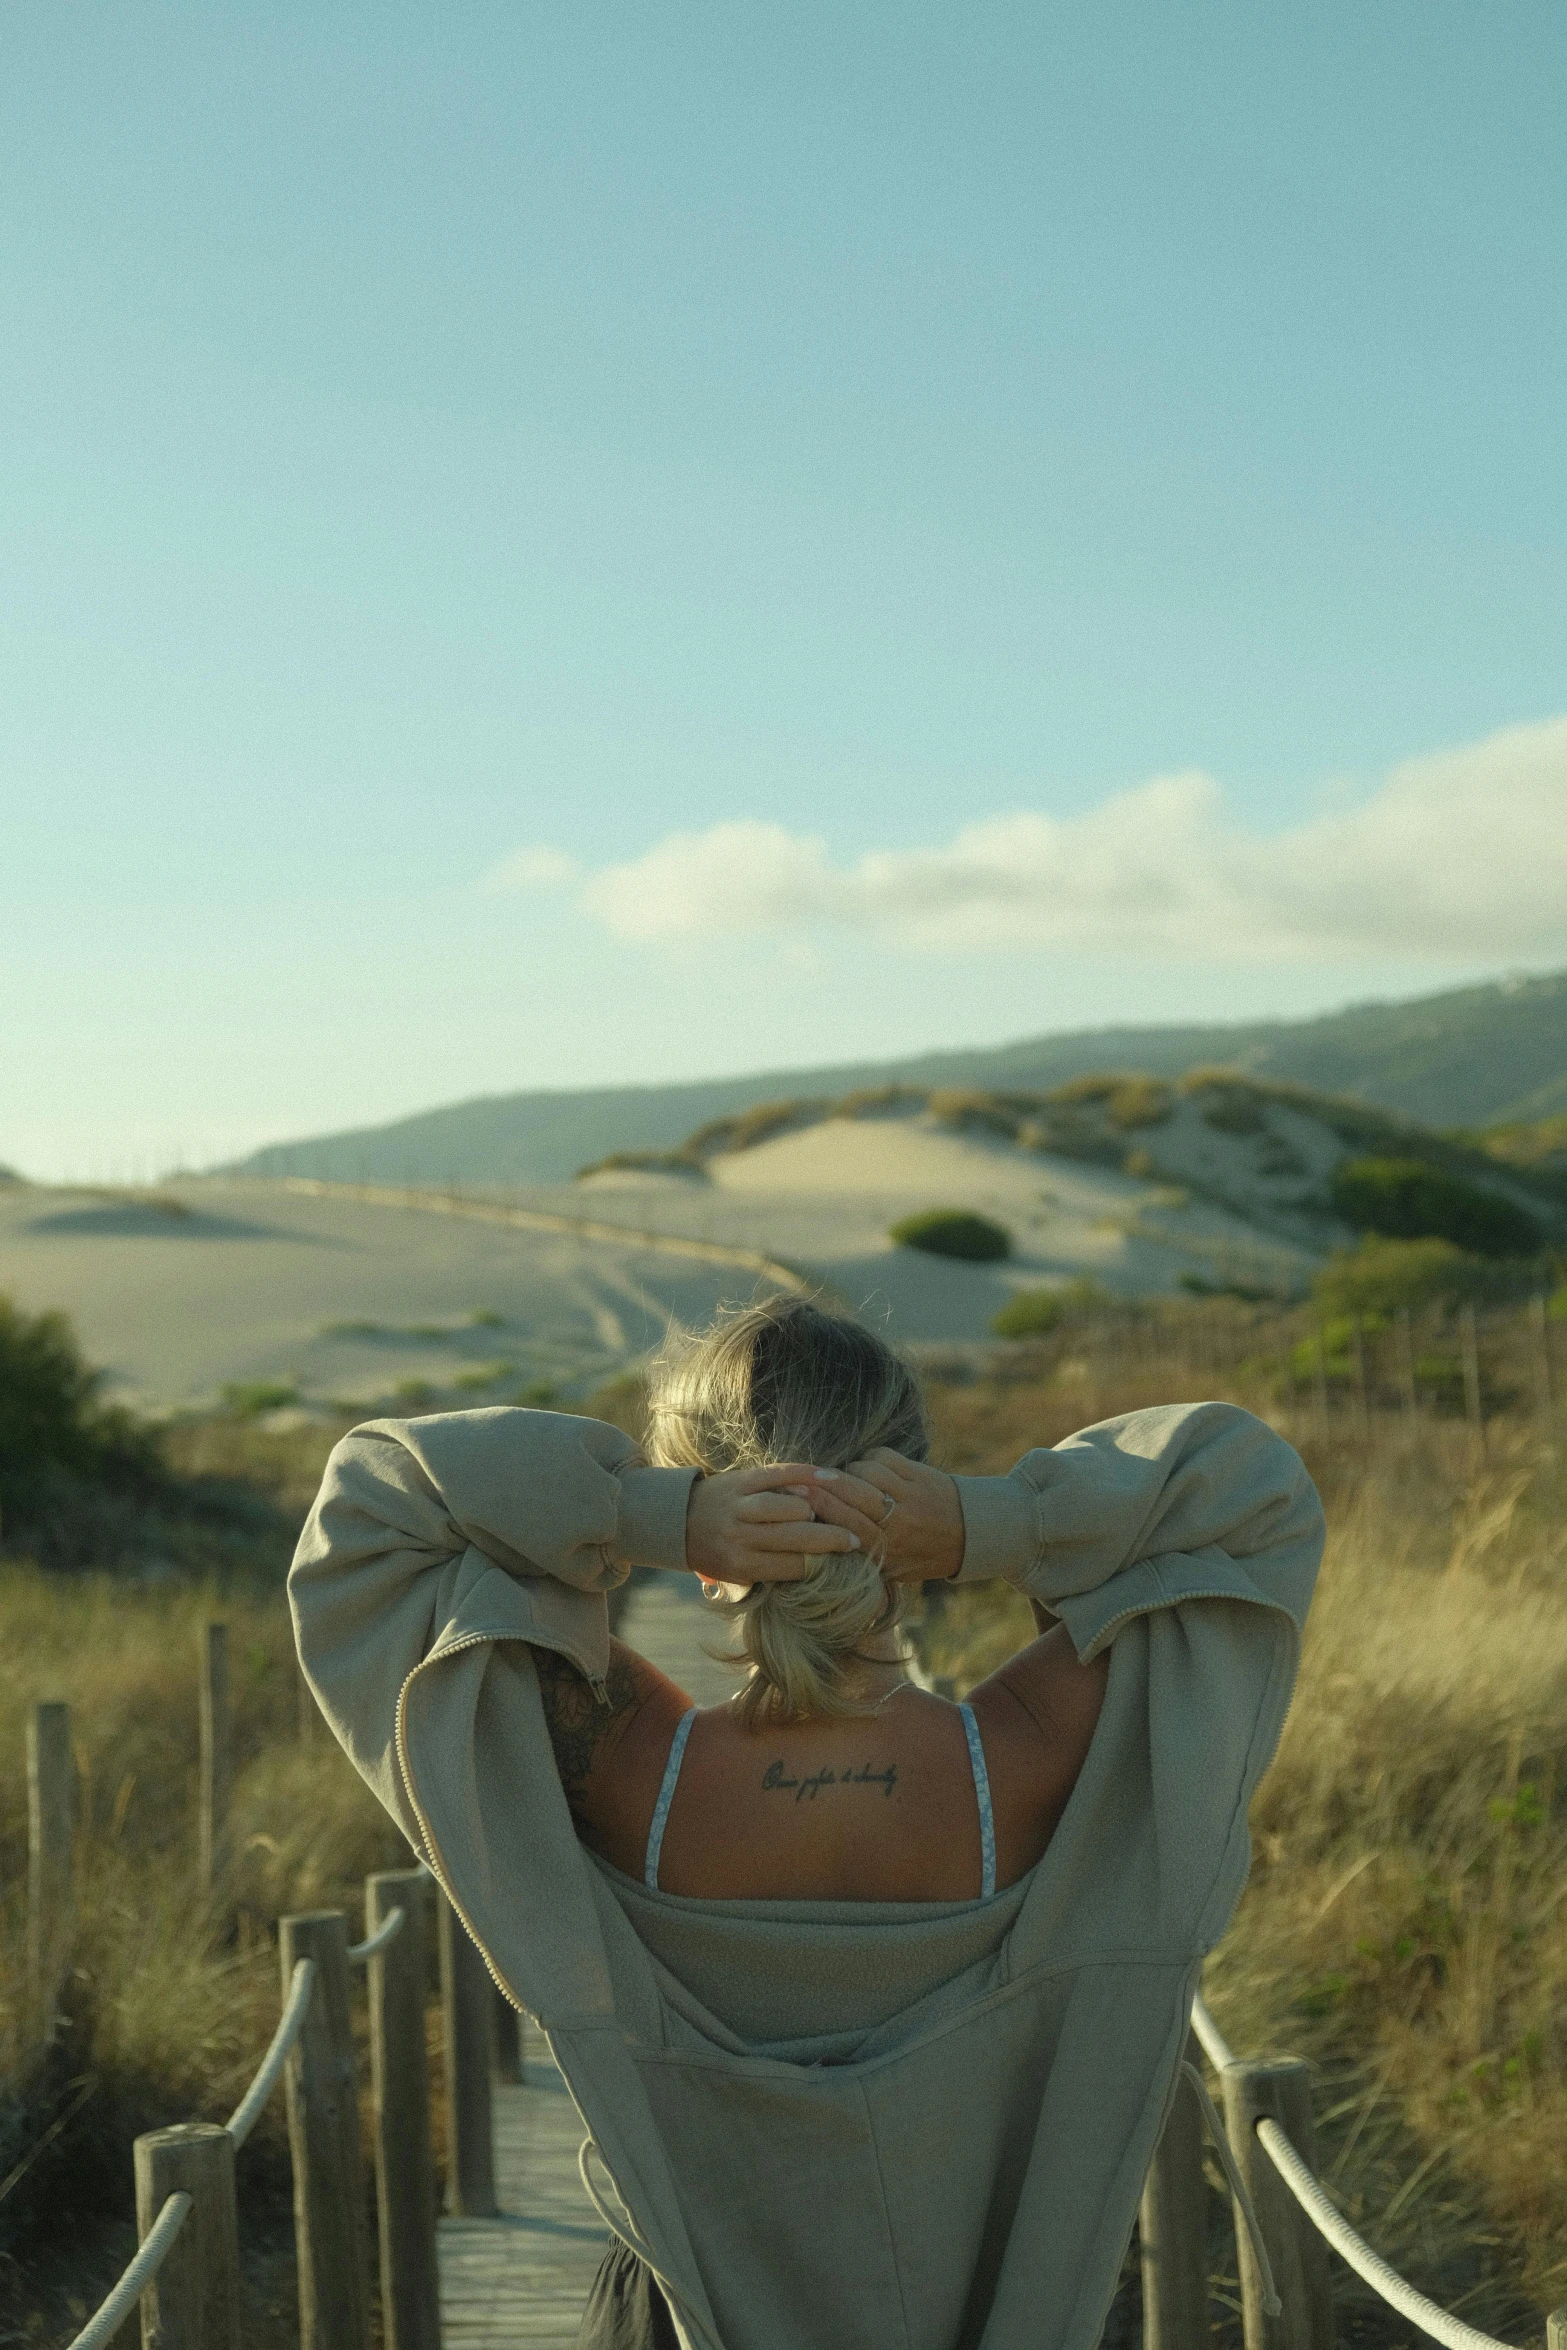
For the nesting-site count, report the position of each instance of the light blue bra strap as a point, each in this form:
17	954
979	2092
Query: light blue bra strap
987	1818
666	1796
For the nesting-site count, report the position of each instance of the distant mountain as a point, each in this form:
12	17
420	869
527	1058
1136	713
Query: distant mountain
1475	1057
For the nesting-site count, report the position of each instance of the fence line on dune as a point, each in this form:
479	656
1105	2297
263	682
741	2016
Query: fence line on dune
456	1203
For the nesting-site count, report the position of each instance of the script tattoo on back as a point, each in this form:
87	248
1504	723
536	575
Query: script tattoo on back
807	1785
577	1718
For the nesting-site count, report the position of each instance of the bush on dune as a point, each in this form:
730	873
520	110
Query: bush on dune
1409	1199
1381	1278
953	1232
53	1425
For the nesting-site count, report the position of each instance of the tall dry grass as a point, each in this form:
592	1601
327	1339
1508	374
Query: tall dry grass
1405	1928
172	1992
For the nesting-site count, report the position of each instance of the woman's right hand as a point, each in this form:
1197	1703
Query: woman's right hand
748	1526
907	1514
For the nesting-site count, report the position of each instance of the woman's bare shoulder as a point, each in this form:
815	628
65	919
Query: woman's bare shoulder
1037	1715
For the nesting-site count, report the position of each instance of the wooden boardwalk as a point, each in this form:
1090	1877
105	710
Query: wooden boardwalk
523	2278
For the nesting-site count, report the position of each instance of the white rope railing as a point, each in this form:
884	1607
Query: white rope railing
373	1944
1330	2223
111	2314
291	2022
1214	2045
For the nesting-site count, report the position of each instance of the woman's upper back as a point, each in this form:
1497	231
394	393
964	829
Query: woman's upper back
886	1806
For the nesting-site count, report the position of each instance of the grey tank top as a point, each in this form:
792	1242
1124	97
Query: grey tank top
976	1756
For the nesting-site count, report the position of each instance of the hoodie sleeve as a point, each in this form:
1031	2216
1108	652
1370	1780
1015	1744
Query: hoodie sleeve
1146	1531
1137	1513
496	1523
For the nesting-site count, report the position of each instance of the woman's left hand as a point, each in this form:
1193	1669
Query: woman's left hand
907	1514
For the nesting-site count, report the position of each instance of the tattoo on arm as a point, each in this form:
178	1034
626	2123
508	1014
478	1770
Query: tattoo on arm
577	1718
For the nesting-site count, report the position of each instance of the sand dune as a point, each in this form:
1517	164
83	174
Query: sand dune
343	1296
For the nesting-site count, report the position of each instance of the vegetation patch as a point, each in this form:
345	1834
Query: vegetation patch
1382	1277
953	1232
685	1161
1409	1199
247	1399
54	1427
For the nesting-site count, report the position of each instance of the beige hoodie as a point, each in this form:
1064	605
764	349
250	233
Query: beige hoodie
835	2125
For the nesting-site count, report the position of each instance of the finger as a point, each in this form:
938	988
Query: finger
771	1475
895	1464
759	1509
833	1510
881	1480
815	1539
844	1485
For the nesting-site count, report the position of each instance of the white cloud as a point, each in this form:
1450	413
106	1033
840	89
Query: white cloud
1457	856
532	869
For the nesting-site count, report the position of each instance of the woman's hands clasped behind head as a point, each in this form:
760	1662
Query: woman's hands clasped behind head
772	1525
906	1514
757	1526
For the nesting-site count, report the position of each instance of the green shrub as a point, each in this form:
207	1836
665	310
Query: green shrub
245	1398
1139	1101
51	1419
1381	1277
1033	1313
1408	1199
954	1232
1231	1108
1028	1313
974	1112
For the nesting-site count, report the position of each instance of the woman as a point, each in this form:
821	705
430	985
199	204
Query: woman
872	2004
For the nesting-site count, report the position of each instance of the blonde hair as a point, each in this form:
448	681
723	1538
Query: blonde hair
785	1380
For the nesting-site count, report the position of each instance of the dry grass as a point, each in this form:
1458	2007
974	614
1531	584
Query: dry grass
172	1993
1403	1928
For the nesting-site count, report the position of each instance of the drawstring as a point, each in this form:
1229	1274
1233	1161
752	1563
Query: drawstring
1272	2306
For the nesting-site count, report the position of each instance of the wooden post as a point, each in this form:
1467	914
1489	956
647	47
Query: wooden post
1406	1365
1172	2229
51	1810
404	2163
508	2040
323	2138
1319	1374
1556	2329
1472	1398
1544	1384
468	2018
193	2301
216	1757
1357	1344
1280	2092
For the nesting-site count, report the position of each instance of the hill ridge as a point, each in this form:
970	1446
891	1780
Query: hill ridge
1470	1057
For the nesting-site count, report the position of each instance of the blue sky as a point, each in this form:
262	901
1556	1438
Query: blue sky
554	545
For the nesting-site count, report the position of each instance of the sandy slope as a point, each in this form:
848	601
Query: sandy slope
249	1281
